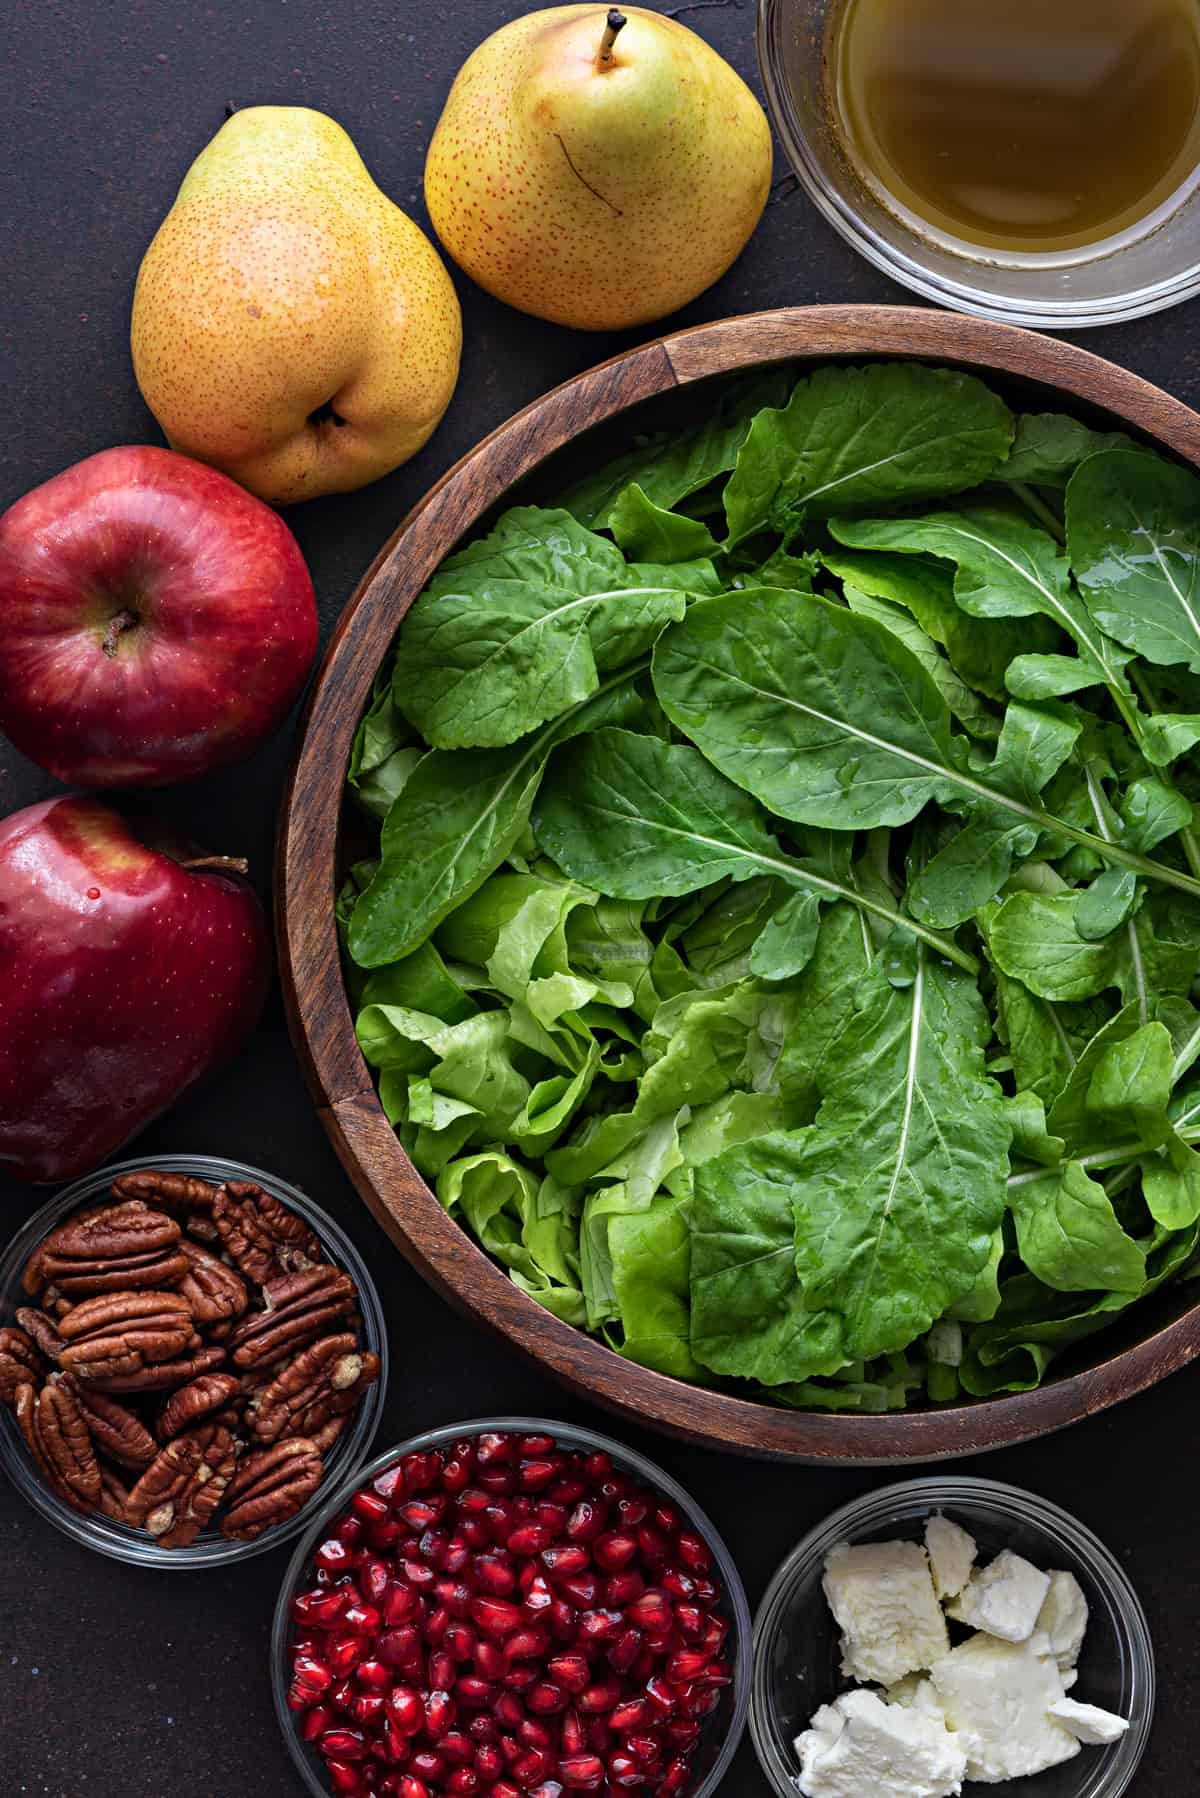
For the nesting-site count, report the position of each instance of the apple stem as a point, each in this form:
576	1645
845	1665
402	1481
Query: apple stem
616	22
118	624
220	864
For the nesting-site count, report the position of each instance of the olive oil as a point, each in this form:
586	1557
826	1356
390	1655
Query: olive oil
1021	125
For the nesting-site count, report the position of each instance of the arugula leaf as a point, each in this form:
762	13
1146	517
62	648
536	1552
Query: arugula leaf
650	533
853	437
972	713
899	1186
633	816
1069	1236
1133	528
1049	446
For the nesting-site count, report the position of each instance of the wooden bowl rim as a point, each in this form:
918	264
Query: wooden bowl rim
318	1011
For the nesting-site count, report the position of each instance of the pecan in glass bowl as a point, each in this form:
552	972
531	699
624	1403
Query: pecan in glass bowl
191	1352
516	1607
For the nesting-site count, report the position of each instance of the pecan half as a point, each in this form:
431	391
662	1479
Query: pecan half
184	1484
67	1444
176	1193
43	1329
299	1308
28	1411
165	1376
196	1401
322	1381
216	1293
114	1496
261	1237
270	1486
116	1432
324	1438
121	1333
117	1249
20	1364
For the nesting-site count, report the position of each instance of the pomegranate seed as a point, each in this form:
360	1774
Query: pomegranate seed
439	1713
442	1670
520	1678
627	1715
691	1621
682	1732
395	1745
603	1695
456	1748
582	1772
508	1710
473	1502
622	1588
346	1653
399	1602
685	1666
569	1489
419	1513
346	1778
405	1709
548	1511
334	1556
598	1626
427	1763
474	1531
313	1673
597	1734
456	1476
533	1765
400	1647
527	1643
667	1517
532	1734
582	1589
432	1549
495	1616
362	1619
483	1728
367	1708
344	1744
674	1779
315	1723
373	1674
473	1694
349	1531
645	1747
494	1576
464	1780
495	1446
492	1661
651	1612
653	1546
570	1671
661	1696
504	1788
597	1465
571	1557
530	1539
460	1641
560	1620
536	1474
342	1696
715	1631
624	1771
368	1507
538	1597
633	1511
457	1554
390	1483
707	1591
699	1701
412	1787
501	1518
614	1550
549	1788
489	1761
677	1583
420	1469
586	1521
536	1447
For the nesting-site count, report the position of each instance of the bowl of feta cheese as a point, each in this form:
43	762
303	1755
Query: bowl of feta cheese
946	1634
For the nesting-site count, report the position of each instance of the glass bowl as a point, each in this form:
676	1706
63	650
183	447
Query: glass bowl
121	1541
796	1659
722	1732
1153	265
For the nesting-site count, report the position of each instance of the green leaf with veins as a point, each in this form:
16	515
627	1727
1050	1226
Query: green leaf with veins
1049	446
963	701
1069	1236
650	533
1133	528
855	437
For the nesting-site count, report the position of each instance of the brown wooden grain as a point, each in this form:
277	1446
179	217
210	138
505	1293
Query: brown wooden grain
307	859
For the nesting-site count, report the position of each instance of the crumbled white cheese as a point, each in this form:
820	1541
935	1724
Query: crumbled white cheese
1088	1723
882	1596
997	1697
915	1691
1003	1599
951	1554
1064	1617
861	1745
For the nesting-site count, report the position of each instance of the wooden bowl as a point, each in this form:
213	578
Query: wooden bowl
1038	373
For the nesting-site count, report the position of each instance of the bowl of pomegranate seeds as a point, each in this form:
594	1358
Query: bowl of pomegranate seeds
511	1608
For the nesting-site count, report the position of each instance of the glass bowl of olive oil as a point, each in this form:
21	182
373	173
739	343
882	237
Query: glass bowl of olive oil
1034	161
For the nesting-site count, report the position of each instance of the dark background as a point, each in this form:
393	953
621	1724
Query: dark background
116	1683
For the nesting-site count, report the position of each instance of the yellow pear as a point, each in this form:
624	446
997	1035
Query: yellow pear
598	169
290	324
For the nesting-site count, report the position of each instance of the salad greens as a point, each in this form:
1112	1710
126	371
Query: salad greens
782	945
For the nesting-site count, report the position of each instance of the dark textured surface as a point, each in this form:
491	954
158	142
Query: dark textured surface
120	1684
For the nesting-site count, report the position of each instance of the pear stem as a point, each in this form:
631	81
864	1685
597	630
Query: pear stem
615	23
221	864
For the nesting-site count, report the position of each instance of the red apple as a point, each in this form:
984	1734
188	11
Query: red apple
126	972
158	620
